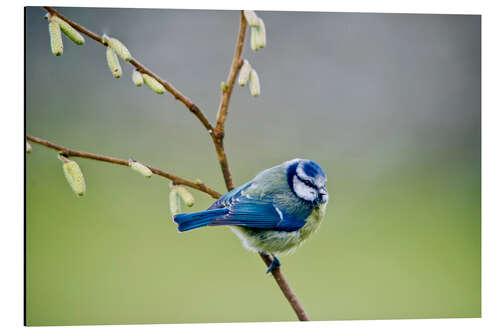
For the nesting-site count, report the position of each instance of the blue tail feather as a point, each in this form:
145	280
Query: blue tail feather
190	221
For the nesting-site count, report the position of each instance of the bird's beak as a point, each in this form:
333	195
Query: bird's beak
323	194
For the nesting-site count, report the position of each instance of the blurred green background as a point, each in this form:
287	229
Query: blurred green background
388	104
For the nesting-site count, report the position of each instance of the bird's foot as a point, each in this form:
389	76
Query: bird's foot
274	264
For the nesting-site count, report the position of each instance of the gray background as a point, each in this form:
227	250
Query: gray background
388	104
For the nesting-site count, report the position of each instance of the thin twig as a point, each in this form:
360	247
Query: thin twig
224	164
286	289
218	137
231	78
75	153
143	69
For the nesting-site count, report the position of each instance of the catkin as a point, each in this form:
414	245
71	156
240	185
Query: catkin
113	63
28	148
251	17
185	195
175	205
244	73
69	31
154	85
137	78
140	168
254	83
56	42
261	34
119	48
74	176
254	45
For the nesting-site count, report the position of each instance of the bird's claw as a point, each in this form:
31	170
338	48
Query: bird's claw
274	265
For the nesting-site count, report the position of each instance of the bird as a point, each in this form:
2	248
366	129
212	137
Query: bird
271	214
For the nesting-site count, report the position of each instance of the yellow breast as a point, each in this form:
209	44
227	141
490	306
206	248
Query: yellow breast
313	221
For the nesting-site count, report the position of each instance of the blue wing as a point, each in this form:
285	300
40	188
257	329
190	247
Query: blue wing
249	212
236	209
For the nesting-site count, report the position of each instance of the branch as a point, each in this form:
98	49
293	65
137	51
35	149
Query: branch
218	137
175	179
231	78
286	289
141	68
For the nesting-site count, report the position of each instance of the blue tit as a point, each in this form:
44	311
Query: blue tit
273	213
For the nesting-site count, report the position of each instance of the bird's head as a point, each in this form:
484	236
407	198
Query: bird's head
307	180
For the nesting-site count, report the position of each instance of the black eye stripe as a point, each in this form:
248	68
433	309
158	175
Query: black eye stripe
307	182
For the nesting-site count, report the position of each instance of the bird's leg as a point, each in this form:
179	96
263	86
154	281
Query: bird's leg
274	264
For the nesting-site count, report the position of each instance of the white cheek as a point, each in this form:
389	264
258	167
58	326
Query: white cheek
303	191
